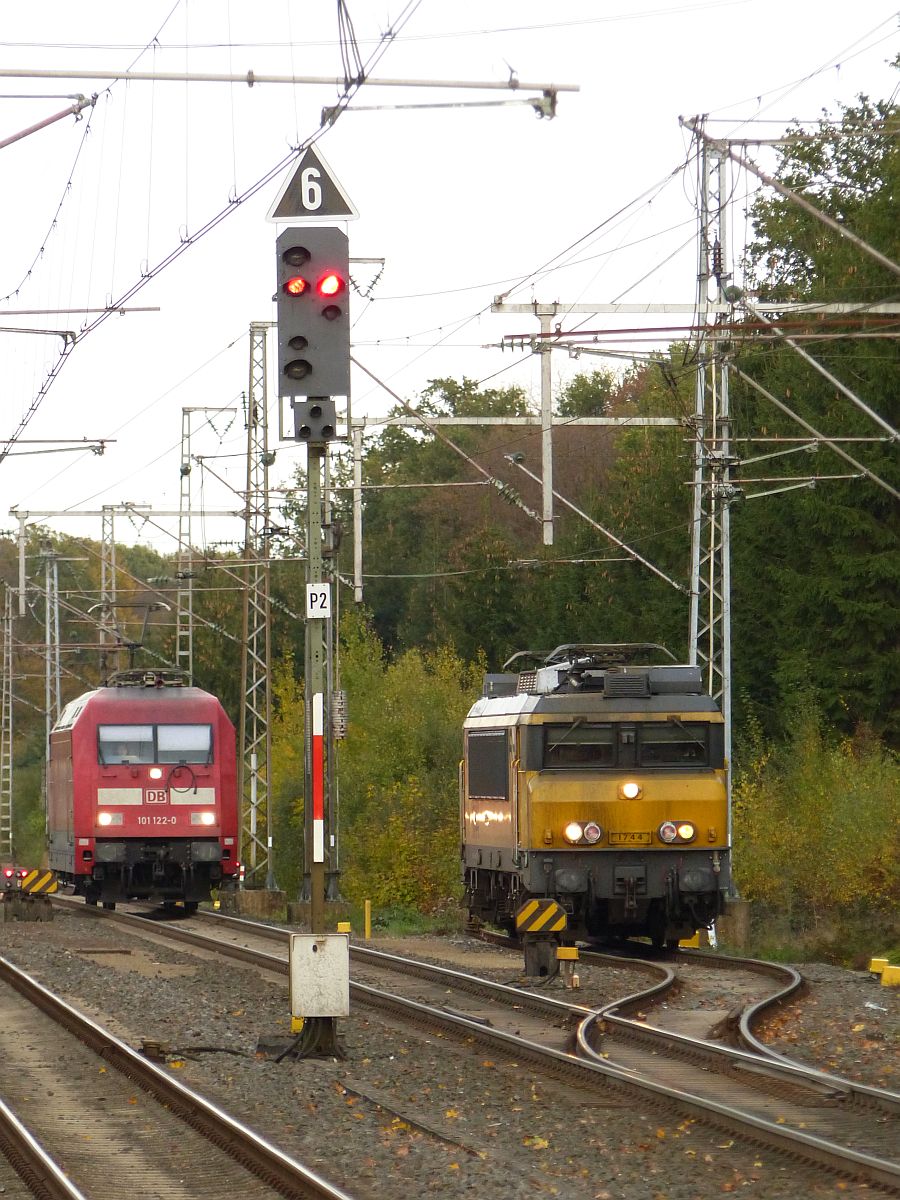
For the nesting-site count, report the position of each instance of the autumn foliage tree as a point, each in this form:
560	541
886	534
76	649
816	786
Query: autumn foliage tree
399	802
817	832
395	773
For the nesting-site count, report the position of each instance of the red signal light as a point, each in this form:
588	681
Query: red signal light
330	284
8	872
296	285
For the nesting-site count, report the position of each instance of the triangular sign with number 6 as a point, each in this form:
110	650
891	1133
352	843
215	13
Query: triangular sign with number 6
312	194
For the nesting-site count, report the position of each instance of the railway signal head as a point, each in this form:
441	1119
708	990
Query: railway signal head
313	326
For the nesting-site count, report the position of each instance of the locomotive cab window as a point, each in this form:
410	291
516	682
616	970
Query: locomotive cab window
675	744
154	744
126	743
487	766
579	745
625	745
184	743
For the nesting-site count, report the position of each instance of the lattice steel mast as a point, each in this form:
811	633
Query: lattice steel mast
6	732
184	570
109	629
713	491
256	851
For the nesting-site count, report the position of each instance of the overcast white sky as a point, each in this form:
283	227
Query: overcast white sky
461	202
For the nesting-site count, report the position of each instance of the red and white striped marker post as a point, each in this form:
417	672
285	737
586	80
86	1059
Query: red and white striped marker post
318	777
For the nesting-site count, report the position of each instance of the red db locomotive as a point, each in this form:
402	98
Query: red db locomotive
142	792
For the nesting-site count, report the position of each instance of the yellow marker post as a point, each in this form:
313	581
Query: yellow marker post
567	957
368	919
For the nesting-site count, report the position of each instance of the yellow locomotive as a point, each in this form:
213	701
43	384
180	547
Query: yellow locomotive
596	778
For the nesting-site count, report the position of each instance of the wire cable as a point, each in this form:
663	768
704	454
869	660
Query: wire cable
213	222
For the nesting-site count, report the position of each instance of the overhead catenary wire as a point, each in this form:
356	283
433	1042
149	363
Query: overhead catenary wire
189	240
842	387
139	415
504	489
815	432
724	147
632	554
842	56
575	262
68	186
523	564
461	323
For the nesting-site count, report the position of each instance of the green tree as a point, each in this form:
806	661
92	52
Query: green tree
816	572
286	794
817	833
398	771
430	509
588	395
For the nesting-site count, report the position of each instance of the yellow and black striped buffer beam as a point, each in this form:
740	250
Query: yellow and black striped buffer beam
540	916
40	883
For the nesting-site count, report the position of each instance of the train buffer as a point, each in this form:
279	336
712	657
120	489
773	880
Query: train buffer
26	893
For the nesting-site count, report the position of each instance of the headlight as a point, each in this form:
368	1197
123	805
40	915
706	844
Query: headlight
108	818
573	832
203	818
630	790
677	831
155	772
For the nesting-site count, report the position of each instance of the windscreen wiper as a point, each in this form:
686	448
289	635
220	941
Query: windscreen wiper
571	729
684	729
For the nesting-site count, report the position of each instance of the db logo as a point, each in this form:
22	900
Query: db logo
155	796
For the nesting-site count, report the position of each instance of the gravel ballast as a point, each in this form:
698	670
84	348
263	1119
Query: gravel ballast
406	1112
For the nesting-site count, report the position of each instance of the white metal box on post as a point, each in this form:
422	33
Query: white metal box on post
320	975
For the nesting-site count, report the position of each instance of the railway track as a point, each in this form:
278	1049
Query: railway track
27	1169
93	1104
845	1128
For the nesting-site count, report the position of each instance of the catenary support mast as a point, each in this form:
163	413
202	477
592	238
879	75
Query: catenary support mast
184	571
6	731
256	851
713	491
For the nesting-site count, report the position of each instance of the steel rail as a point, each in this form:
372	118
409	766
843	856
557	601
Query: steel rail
778	1068
757	1054
585	1068
533	1002
277	1169
31	1162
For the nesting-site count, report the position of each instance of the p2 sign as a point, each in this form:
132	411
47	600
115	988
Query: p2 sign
318	601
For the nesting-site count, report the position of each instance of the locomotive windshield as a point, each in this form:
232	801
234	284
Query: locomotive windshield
154	744
579	745
642	743
673	745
